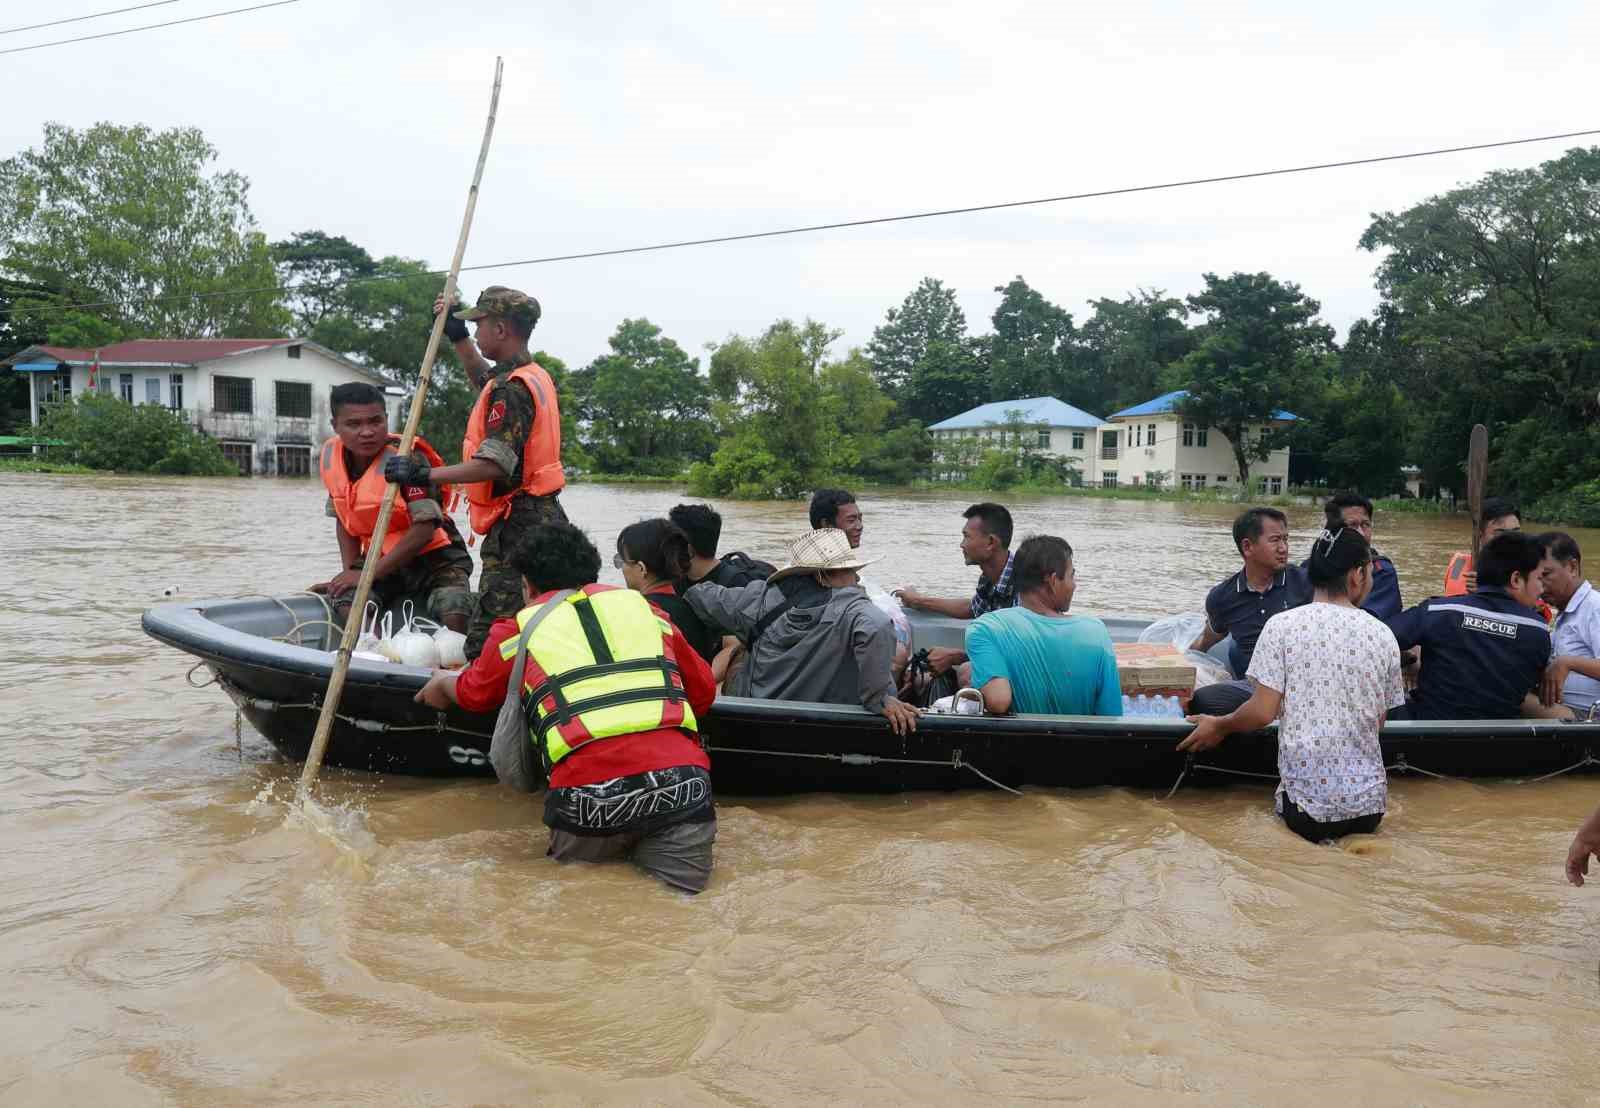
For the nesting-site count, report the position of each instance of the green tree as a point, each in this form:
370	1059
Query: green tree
315	270
1031	348
1491	290
776	440
17	333
1260	338
929	324
644	407
129	219
104	433
1127	346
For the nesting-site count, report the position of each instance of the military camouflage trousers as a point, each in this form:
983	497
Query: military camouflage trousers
500	585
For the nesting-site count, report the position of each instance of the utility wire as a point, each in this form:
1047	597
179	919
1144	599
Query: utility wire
679	244
148	27
81	18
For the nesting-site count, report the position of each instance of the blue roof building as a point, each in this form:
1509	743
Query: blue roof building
1035	411
1167	404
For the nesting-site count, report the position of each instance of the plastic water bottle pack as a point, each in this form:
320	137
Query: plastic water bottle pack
1141	706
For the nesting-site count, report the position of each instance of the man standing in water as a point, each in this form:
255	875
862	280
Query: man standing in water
1332	673
612	692
511	458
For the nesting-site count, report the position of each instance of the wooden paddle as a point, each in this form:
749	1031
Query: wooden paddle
352	627
1477	473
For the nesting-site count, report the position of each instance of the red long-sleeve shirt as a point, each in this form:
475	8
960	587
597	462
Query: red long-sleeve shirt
482	688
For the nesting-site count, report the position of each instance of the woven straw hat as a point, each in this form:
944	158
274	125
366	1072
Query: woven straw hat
824	549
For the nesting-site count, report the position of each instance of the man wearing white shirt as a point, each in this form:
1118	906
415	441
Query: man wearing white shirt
1573	675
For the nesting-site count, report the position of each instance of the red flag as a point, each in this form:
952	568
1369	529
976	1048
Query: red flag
94	370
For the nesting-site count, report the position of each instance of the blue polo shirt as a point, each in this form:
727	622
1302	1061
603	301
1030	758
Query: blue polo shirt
1384	599
1481	654
1234	608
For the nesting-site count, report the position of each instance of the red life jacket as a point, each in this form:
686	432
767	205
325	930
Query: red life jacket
542	474
356	503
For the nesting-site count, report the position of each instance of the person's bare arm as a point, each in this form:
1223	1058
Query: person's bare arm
1208	638
996	696
1556	673
1254	714
944	606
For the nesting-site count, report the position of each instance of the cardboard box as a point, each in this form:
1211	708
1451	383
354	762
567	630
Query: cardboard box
1154	669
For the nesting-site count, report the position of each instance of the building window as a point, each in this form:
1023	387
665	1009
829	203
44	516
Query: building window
1186	480
1150	434
293	399
1108	478
1199	480
1044	439
1200	436
1274	485
58	388
1188	434
294	352
1138	436
103	384
1108	445
175	392
152	390
1077	440
1222	478
294	461
233	395
125	381
241	454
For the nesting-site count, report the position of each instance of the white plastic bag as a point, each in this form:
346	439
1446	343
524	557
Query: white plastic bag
413	643
1180	631
367	641
385	643
452	647
890	605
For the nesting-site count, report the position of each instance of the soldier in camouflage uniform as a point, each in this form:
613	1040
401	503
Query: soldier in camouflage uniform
505	320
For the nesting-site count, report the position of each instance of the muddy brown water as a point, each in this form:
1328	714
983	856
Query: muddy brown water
168	937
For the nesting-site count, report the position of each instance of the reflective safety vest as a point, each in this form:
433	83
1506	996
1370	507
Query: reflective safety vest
356	503
600	665
541	454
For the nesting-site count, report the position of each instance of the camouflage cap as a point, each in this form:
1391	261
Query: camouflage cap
506	303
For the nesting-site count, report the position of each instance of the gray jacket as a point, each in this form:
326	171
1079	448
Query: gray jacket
836	652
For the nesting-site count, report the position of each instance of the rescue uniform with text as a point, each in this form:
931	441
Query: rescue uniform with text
612	692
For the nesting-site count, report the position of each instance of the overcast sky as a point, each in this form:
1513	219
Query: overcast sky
625	123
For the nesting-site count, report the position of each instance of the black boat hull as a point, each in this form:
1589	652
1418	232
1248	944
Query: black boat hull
765	747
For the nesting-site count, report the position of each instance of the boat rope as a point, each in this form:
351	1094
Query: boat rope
955	761
1188	764
214	679
1403	766
1588	760
378	726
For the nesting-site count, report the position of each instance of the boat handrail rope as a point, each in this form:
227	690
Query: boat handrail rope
378	726
214	679
955	761
1588	760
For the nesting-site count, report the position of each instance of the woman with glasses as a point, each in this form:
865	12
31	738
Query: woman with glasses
653	556
1329	673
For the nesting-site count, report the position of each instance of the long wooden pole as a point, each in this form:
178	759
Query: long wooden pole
352	627
1477	475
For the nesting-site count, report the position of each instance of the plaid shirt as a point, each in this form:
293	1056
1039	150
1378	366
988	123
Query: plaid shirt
991	597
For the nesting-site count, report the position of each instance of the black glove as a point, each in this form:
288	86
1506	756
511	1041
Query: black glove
454	329
406	471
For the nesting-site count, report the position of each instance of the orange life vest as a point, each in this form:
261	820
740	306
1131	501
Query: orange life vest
356	503
1455	583
541	454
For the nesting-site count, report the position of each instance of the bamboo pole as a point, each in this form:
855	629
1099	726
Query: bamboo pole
1477	475
352	629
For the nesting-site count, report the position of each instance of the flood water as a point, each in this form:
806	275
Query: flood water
166	937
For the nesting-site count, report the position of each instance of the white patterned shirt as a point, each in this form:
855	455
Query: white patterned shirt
1339	672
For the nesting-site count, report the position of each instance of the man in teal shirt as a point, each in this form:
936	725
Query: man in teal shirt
1037	658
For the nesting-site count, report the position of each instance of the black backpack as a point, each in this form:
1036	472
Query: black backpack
737	569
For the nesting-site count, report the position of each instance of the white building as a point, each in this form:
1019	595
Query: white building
1060	429
1146	444
265	401
1150	443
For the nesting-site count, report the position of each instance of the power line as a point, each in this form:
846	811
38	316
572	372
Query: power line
148	27
81	18
746	237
